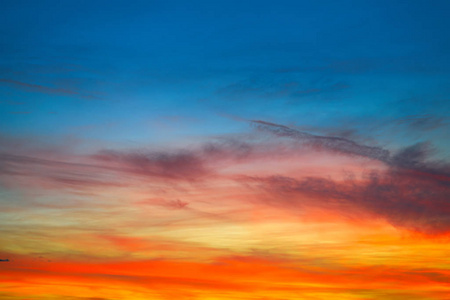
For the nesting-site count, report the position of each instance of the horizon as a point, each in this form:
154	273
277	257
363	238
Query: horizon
212	150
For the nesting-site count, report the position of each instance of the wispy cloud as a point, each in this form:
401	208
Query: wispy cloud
20	112
53	172
329	143
44	89
242	277
415	157
277	88
184	164
404	200
412	193
423	121
181	165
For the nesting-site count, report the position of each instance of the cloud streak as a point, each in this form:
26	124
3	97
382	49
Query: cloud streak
410	192
243	277
413	157
404	200
36	88
181	165
336	144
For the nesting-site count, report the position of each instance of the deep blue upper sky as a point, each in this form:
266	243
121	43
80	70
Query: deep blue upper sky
165	71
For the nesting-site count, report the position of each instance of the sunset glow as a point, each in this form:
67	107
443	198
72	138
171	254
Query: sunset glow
216	150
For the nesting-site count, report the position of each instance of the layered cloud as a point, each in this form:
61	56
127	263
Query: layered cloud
258	213
407	188
241	277
413	192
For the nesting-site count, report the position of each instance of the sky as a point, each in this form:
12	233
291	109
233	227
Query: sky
250	150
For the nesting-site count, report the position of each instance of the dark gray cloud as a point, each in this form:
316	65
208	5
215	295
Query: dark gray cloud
114	168
414	191
187	164
403	199
331	143
180	165
415	157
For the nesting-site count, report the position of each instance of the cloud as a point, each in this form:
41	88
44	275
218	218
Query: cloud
11	103
410	190
180	165
404	199
423	122
259	87
352	66
275	88
184	164
411	157
235	277
20	112
414	157
414	160
323	89
53	173
172	204
57	168
364	65
43	89
413	192
330	143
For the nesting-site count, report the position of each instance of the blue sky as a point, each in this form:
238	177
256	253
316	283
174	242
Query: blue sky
224	149
120	71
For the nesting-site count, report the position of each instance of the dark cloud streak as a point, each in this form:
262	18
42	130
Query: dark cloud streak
413	193
335	144
413	158
181	165
404	200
